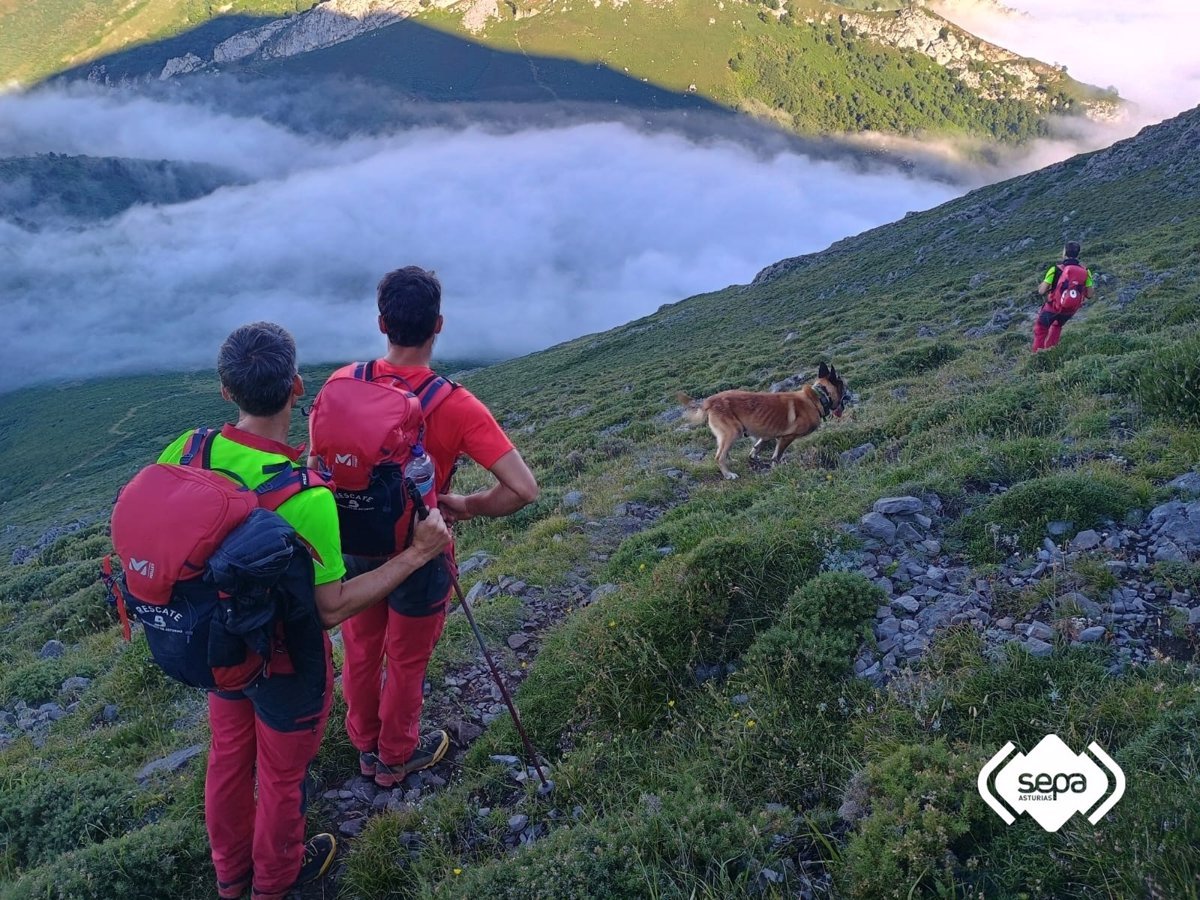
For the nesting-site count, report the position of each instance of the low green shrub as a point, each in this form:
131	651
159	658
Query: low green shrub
818	632
44	814
167	859
39	681
911	361
1169	384
926	820
613	661
1017	519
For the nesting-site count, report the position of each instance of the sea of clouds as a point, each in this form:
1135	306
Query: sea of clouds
539	233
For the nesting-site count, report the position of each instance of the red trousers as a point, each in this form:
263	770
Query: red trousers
384	713
1047	329
266	836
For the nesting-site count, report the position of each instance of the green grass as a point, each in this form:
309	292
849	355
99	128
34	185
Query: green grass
675	774
42	37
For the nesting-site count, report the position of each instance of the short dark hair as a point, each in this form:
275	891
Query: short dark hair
1071	250
410	301
257	365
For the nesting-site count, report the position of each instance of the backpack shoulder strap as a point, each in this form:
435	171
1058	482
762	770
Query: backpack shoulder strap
197	453
287	481
433	391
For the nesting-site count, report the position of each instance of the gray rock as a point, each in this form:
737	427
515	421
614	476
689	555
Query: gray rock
1086	540
907	534
478	560
603	591
478	589
110	713
518	640
352	827
76	684
889	627
1038	648
879	526
517	823
1167	551
1090	607
1093	634
1187	484
572	499
850	457
1058	529
1194	616
906	604
739	699
1040	630
505	760
891	506
52	649
52	711
171	763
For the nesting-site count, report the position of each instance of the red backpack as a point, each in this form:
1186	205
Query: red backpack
1070	289
363	427
208	629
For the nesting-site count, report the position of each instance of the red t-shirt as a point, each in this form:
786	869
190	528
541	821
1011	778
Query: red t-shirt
461	424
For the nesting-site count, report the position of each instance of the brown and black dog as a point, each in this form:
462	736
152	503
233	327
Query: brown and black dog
784	416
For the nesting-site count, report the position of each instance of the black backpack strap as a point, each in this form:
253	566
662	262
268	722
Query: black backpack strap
197	452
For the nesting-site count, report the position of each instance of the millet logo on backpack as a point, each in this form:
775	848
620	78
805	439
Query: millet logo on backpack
142	567
1052	783
346	459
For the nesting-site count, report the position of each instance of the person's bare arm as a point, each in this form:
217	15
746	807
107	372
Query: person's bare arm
515	488
1043	287
339	600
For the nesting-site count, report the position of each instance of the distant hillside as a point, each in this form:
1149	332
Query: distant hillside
781	686
811	66
53	188
41	37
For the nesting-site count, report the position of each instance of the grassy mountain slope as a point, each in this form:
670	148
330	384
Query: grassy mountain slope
783	771
799	67
41	37
803	65
52	187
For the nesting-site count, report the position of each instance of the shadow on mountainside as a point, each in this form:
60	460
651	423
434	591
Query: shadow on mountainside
423	63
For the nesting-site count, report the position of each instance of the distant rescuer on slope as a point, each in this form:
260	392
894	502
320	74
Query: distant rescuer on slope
384	710
261	839
1067	285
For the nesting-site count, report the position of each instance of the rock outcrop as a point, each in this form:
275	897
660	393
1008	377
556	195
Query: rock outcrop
991	71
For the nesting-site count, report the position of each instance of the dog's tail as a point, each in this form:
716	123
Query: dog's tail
693	410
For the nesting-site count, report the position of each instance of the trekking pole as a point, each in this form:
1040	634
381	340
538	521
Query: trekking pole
422	513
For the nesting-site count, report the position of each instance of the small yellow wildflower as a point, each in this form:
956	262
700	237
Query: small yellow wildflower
670	703
612	623
750	723
458	871
641	567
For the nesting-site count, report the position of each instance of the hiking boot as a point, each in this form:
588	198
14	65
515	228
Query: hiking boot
319	854
367	761
430	750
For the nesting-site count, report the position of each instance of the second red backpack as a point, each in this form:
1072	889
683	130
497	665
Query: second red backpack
363	427
1070	289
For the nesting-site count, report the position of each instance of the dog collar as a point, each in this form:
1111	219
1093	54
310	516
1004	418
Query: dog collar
824	398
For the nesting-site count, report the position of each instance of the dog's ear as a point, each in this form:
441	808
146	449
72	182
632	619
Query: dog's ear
823	371
833	375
